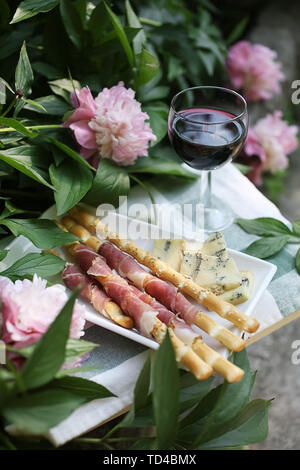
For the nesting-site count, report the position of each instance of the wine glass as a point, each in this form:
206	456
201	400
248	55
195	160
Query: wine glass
207	128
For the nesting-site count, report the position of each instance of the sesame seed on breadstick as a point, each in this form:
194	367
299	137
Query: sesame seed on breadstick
163	271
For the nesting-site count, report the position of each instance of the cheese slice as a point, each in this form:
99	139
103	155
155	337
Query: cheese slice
242	292
169	251
215	245
214	271
190	263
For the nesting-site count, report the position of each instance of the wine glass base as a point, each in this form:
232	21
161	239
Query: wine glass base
216	220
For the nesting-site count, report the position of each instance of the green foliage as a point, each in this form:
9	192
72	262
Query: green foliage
38	398
156	48
276	235
222	417
43	264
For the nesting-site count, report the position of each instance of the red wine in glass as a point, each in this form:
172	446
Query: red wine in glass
206	138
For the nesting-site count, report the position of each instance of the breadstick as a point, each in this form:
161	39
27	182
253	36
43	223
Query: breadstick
221	365
203	321
163	271
155	328
111	308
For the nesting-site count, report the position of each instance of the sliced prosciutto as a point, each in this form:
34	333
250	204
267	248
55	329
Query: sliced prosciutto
93	293
183	331
164	292
74	277
118	289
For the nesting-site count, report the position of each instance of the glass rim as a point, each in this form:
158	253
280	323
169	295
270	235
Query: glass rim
227	90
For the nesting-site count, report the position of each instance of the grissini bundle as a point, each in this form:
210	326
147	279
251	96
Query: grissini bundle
144	316
92	292
163	271
164	292
95	267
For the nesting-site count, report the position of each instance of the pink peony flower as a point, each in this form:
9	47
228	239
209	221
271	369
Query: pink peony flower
267	145
113	125
79	120
253	69
29	308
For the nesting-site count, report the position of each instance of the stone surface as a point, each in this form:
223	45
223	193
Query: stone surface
277	26
278	378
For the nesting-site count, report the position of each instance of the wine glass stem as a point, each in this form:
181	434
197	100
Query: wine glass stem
205	188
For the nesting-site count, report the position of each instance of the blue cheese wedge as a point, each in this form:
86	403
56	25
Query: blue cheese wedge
169	251
215	245
242	292
214	271
210	265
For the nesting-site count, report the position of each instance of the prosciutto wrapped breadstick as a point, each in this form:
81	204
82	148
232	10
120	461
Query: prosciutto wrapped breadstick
188	336
144	316
163	271
93	293
163	291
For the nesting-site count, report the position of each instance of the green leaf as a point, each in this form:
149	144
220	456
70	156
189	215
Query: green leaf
71	181
18	126
29	8
208	59
63	87
266	247
3	254
121	34
82	387
50	104
24	75
298	261
156	93
75	348
42	233
248	427
47	70
165	394
99	21
134	22
221	404
110	182
237	31
33	105
27	159
148	67
42	264
4	82
10	210
37	412
296	228
49	354
192	391
72	22
71	153
159	165
175	68
158	114
264	226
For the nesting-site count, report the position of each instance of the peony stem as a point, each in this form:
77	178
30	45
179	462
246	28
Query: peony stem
44	126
